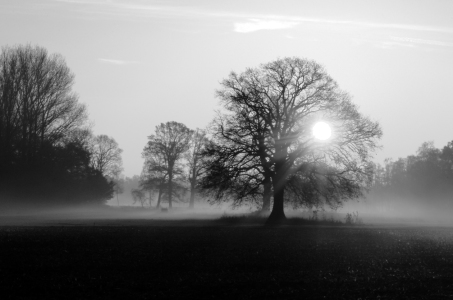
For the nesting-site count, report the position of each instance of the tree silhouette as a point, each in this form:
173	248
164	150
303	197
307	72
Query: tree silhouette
37	105
106	155
195	157
43	154
139	196
170	141
423	181
106	158
154	174
232	174
283	100
240	147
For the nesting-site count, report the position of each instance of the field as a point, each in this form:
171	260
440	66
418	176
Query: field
208	259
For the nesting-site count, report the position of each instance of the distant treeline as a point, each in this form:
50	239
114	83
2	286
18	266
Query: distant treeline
423	180
47	151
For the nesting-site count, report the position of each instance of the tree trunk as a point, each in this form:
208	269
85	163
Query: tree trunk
170	188
159	197
192	197
193	184
277	215
267	195
267	176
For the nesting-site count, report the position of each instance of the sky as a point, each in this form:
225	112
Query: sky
139	63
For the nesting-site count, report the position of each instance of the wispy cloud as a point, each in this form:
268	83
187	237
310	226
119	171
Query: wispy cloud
117	61
86	1
242	22
392	42
415	41
256	24
392	45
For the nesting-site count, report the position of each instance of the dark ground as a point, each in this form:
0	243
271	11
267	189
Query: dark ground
211	260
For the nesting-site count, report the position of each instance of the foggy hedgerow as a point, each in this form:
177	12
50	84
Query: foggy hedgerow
43	129
421	183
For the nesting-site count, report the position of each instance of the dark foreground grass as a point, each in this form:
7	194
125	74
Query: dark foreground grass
260	219
150	261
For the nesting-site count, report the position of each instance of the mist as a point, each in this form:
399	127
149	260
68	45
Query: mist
417	188
111	214
399	210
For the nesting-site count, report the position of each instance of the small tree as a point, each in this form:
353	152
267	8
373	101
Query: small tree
139	196
106	155
154	174
168	144
194	159
118	187
152	183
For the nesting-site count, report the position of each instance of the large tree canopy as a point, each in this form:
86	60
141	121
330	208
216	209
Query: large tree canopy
266	131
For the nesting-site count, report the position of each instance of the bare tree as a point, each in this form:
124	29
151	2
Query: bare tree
82	136
139	196
170	141
290	95
194	159
239	154
232	172
154	174
43	130
37	104
106	156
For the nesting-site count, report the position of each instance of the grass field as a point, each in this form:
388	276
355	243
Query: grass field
208	259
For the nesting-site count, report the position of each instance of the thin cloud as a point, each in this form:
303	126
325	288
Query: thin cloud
117	61
421	41
242	22
398	42
380	43
255	25
391	45
86	1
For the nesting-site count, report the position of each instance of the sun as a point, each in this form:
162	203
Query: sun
322	131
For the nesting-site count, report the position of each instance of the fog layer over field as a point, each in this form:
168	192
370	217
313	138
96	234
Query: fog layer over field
102	215
410	210
368	211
